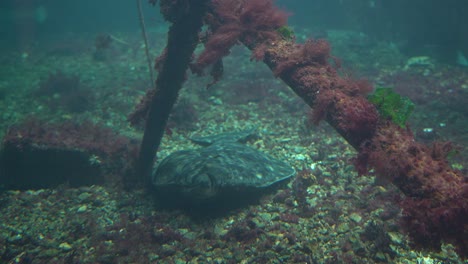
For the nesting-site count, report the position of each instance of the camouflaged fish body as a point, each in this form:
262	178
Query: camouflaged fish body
224	164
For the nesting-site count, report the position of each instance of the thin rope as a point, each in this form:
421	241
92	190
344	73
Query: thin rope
145	38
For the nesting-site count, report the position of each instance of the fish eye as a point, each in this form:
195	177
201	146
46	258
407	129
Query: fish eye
203	185
202	180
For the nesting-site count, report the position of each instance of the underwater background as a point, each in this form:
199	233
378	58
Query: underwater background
72	72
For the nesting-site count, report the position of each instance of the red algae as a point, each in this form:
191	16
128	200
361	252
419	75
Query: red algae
36	154
237	20
437	195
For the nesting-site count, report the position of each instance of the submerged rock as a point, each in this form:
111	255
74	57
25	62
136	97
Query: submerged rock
37	155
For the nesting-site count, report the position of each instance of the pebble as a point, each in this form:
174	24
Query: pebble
299	157
342	228
380	257
65	246
215	100
395	237
82	209
219	230
84	196
355	217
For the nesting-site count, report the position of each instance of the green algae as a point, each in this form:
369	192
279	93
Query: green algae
392	105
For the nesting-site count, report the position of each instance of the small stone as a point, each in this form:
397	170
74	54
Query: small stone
84	196
299	150
215	100
168	250
49	253
395	237
342	228
258	223
65	246
355	217
299	157
265	216
314	154
380	257
15	238
82	209
34	192
323	231
187	233
219	230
